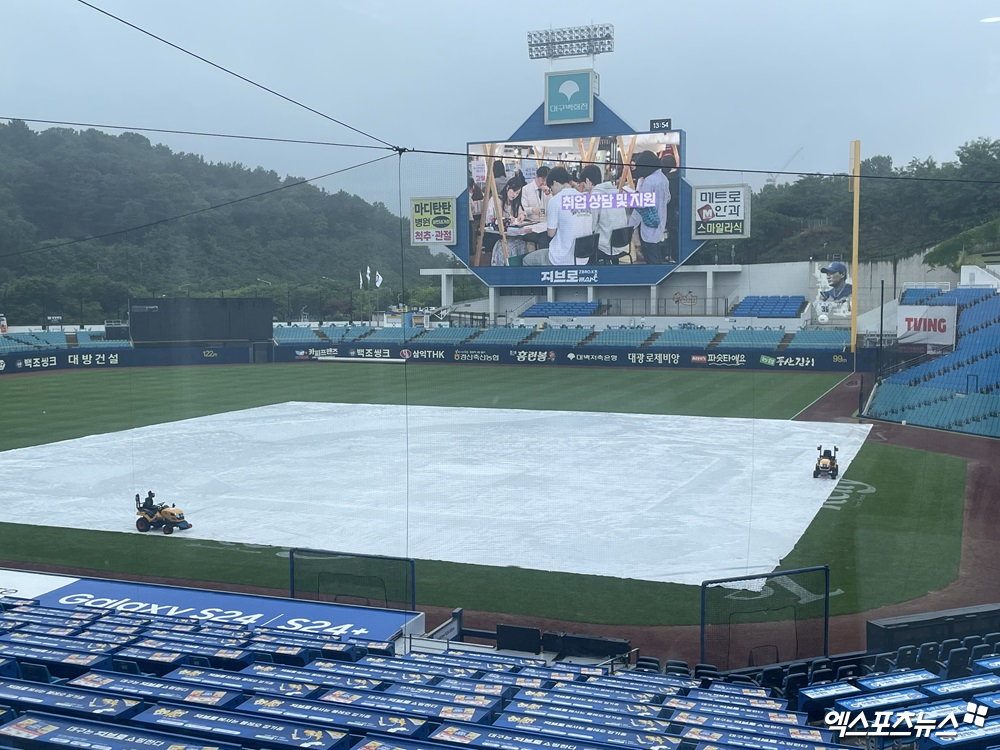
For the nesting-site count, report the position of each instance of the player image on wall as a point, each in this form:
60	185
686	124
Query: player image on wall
833	300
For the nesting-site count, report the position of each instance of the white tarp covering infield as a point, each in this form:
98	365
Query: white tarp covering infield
661	498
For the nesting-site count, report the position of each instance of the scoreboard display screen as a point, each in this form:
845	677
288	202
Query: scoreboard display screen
512	237
183	320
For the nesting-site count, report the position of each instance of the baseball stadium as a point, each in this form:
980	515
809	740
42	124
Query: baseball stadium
666	495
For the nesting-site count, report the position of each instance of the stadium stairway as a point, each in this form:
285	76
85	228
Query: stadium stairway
717	340
785	341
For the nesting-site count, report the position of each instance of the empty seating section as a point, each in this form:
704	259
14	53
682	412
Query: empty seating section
895	398
972	358
780	306
687	338
504	336
228	686
980	370
95	340
918	295
560	309
35	341
621	337
961	296
976	413
13	343
560	336
340	334
295	335
980	315
393	335
752	338
967	296
820	339
448	335
959	390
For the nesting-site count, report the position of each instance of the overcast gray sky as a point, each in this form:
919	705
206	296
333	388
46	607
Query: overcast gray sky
751	81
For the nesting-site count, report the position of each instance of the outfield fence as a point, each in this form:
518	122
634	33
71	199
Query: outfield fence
786	360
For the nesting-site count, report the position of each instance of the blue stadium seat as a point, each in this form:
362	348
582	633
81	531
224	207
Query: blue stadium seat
37	673
955	664
927	655
904	658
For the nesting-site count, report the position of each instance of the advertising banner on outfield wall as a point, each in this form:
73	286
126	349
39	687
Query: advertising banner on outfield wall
803	360
90	359
926	324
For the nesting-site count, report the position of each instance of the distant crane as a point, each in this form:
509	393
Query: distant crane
772	178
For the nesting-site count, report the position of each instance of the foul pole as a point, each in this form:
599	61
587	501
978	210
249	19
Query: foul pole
854	184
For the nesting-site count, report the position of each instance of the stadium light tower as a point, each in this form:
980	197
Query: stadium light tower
575	41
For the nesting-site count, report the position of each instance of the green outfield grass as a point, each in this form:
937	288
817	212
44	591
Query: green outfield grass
891	545
896	543
64	405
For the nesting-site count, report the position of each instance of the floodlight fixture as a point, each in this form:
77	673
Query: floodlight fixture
575	41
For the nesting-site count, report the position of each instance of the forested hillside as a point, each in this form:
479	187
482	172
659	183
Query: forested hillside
304	246
904	210
300	245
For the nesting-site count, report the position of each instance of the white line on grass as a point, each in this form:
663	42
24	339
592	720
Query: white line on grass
823	395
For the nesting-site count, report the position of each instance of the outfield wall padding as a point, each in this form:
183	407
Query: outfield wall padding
797	360
119	357
789	360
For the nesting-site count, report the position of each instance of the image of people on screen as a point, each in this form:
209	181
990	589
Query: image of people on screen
499	176
651	221
536	194
512	215
634	166
605	220
669	166
475	197
564	226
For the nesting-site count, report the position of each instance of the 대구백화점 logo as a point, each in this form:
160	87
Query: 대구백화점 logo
569	96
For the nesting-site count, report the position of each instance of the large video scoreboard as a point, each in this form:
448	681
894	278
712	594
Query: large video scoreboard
577	146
